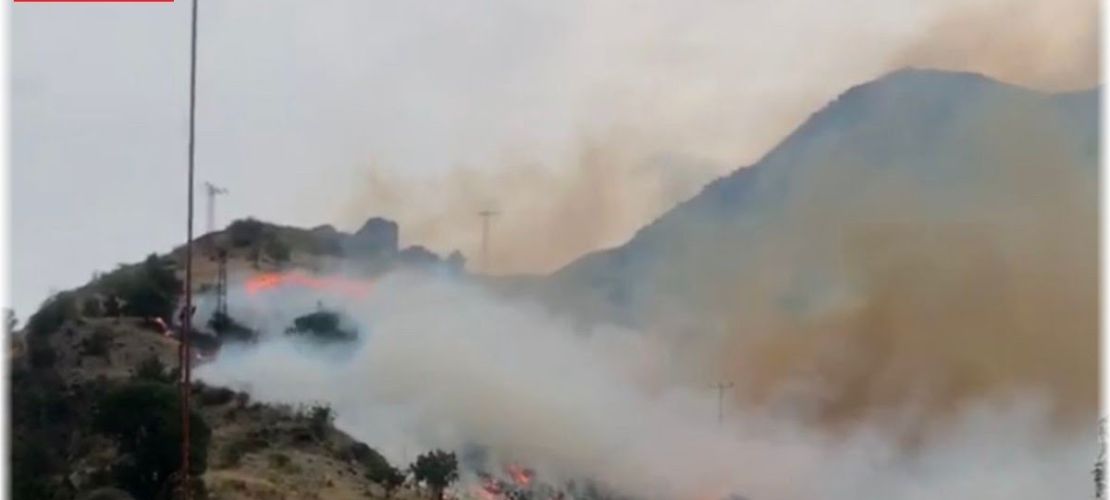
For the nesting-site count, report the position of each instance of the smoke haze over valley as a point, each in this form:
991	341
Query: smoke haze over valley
766	250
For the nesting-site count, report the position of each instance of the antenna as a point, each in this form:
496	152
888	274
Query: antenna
213	191
184	353
721	387
486	215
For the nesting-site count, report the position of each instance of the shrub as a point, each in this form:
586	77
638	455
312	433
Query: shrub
216	396
97	344
10	321
377	467
112	307
233	453
320	418
279	459
151	369
321	325
144	418
31	467
227	328
231	456
41	354
92	307
282	462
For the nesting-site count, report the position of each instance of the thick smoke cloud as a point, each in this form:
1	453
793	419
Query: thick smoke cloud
906	288
443	364
889	338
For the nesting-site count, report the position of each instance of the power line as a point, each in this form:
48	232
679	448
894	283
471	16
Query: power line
486	215
184	352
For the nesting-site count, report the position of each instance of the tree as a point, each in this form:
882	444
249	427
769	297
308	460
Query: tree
321	325
456	262
10	321
437	469
246	232
53	313
152	291
378	468
144	417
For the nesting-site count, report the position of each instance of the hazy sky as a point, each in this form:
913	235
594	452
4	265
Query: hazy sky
300	101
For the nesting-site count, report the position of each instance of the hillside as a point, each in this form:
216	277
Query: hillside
929	130
104	348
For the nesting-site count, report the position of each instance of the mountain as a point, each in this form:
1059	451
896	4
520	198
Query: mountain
926	144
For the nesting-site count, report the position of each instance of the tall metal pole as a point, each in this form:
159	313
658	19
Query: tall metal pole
485	215
721	386
185	353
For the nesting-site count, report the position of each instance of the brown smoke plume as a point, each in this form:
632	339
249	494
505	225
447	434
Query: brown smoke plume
1048	45
921	299
546	216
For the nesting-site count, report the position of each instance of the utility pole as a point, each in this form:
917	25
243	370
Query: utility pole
213	191
721	387
486	215
184	352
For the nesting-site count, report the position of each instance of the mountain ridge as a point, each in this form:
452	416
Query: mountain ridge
894	122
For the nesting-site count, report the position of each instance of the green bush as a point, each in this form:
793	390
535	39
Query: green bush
282	462
216	396
227	328
377	467
145	419
233	453
277	250
112	307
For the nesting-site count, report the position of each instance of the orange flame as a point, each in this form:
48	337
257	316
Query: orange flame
344	286
521	476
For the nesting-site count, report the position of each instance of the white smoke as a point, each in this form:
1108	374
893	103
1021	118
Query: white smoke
442	364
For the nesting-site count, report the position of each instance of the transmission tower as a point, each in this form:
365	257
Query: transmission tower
486	215
213	191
